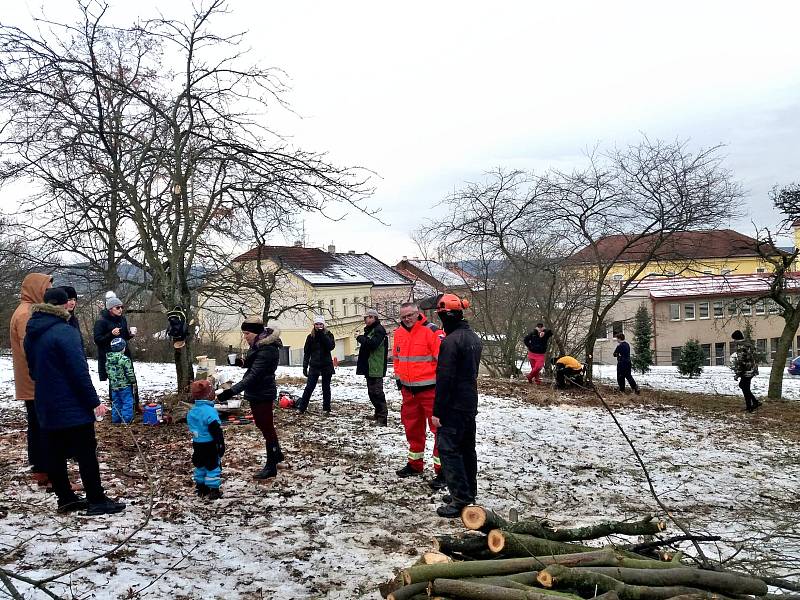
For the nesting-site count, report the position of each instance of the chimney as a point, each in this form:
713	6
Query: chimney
298	244
415	258
405	258
351	251
331	249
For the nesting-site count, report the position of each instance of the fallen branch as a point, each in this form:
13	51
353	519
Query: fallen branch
479	591
726	583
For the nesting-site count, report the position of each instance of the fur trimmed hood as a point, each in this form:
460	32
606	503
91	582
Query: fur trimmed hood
271	338
50	309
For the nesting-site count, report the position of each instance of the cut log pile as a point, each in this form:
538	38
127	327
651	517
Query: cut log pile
531	560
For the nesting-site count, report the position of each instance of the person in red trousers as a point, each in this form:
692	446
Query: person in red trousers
415	351
536	343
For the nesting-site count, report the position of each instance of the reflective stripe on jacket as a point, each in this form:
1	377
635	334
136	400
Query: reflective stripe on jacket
415	353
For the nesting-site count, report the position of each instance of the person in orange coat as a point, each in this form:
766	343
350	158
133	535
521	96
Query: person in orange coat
415	351
33	288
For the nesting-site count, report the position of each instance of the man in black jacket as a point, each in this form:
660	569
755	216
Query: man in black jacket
623	354
317	361
536	343
456	405
372	357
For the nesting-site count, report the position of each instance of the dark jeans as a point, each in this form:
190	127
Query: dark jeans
750	400
456	439
377	397
37	440
568	377
624	374
263	417
79	443
313	377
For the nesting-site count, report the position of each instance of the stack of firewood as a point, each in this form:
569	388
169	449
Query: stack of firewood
499	559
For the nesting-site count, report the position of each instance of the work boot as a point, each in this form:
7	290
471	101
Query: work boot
379	421
201	489
268	472
637	391
277	453
214	494
407	471
105	507
72	504
438	482
449	511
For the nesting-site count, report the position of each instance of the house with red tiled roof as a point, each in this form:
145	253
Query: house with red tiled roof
309	282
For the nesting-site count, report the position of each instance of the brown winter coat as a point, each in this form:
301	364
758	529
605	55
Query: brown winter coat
32	292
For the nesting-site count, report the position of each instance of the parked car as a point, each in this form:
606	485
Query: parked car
794	367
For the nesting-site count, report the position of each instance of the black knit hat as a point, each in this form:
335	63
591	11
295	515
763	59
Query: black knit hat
71	293
55	296
253	325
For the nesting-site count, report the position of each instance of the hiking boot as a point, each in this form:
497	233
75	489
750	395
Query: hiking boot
201	489
106	507
447	498
407	471
449	511
72	505
214	494
438	482
268	472
637	391
379	421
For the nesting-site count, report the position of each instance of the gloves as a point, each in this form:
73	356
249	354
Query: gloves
361	339
305	371
225	395
239	362
221	449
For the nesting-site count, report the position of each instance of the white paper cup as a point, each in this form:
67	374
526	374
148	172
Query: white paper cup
232	359
133	330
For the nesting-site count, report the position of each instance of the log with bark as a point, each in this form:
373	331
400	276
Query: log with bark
726	583
468	590
409	591
584	580
482	519
474	546
603	557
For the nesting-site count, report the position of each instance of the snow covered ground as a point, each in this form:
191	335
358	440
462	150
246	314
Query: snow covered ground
338	521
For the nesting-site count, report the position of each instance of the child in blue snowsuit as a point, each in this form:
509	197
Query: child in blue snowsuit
122	381
208	443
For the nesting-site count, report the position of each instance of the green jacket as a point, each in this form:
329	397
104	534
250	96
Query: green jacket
120	371
373	352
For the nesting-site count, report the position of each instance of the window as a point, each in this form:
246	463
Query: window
702	310
706	353
688	311
670	273
674	312
366	301
761	349
708	272
332	304
719	309
719	354
724	271
773	348
731	309
761	307
355	306
617	327
747	309
676	354
617	278
345	310
319	307
773	307
761	270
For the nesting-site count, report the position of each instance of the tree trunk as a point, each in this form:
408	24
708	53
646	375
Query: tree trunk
518	544
646	526
470	545
408	591
604	557
726	583
564	577
478	518
791	322
478	591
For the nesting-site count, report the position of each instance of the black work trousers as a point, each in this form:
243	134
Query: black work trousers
377	397
750	401
623	375
311	384
37	440
456	441
77	442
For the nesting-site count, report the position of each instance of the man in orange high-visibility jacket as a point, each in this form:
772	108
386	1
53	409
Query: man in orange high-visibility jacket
415	351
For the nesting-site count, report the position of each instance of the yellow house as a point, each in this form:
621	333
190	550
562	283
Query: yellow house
686	254
307	282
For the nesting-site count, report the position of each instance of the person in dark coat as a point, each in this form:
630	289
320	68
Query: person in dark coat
372	359
112	324
456	405
318	362
66	404
72	302
536	343
745	366
623	354
258	385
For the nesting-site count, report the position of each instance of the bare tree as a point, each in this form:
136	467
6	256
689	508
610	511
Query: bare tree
144	141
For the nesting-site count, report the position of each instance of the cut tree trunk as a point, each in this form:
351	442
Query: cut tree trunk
726	583
478	591
564	577
473	545
408	591
514	544
433	558
604	557
478	518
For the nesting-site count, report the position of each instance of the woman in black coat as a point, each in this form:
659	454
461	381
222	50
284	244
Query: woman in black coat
318	361
258	385
109	325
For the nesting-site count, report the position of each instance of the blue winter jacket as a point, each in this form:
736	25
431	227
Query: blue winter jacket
64	396
200	416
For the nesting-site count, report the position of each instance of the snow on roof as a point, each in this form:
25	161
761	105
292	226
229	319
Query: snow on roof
376	271
714	285
316	266
440	273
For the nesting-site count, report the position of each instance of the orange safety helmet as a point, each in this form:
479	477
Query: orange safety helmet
451	302
286	402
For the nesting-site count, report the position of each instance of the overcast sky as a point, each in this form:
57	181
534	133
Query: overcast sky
432	94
